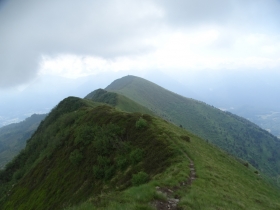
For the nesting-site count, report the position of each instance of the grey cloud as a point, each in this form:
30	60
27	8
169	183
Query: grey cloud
189	12
32	28
250	15
17	68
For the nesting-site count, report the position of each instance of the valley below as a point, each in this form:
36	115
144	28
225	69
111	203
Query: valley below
266	119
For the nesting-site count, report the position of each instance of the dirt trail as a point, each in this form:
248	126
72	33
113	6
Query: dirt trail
172	202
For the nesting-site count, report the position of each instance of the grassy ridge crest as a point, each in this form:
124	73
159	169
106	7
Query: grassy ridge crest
234	134
89	155
81	149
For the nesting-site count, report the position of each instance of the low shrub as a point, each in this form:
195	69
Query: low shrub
136	156
186	138
122	163
246	164
139	178
109	172
76	157
103	161
98	172
141	123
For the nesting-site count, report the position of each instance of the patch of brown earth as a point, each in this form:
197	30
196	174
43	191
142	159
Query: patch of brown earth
172	201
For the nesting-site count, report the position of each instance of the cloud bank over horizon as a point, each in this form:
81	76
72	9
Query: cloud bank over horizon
74	39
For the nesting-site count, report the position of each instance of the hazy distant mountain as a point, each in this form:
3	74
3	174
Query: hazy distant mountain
251	94
268	119
13	137
39	96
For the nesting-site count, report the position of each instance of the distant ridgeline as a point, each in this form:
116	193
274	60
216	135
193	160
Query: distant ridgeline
234	134
13	137
87	154
117	100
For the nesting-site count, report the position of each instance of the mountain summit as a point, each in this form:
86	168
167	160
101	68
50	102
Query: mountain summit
107	152
230	132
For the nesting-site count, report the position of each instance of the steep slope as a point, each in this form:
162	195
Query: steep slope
236	135
117	100
14	136
81	150
222	182
93	153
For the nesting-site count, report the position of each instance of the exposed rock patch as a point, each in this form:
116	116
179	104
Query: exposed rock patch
172	201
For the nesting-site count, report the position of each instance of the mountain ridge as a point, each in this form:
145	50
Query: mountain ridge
232	133
117	100
93	153
14	136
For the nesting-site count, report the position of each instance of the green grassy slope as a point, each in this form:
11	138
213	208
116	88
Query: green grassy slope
222	182
92	156
14	136
80	150
230	132
116	100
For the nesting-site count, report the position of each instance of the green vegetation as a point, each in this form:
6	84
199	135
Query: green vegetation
87	154
116	100
264	117
139	178
103	96
80	150
234	134
13	137
223	182
76	157
141	123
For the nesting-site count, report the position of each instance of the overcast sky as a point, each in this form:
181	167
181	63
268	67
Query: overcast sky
77	38
73	39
